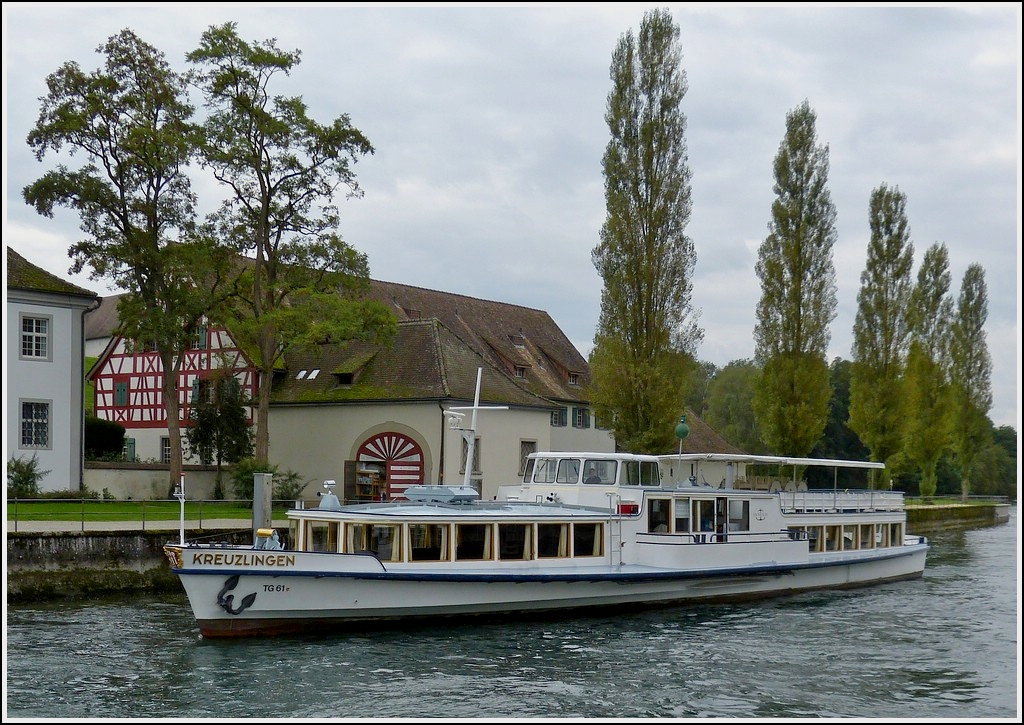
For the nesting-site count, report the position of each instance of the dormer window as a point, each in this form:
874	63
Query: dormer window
345	379
574	378
520	371
518	340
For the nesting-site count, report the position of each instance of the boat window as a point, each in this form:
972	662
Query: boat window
867	539
896	535
321	536
381	540
832	534
658	514
850	537
528	472
682	516
568	471
814	538
472	541
515	541
739	515
704	516
587	540
428	542
598	471
544	471
882	535
641	473
552	540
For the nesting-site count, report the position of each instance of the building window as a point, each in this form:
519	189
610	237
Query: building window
476	456
580	418
525	449
200	340
35	424
165	449
128	452
520	371
35	338
559	418
121	393
574	378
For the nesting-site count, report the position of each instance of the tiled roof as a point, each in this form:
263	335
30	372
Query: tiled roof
506	335
703	438
426	361
23	275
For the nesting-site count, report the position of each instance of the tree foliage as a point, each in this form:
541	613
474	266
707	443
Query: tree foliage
926	388
647	332
218	423
880	330
839	440
798	293
282	170
131	120
970	367
730	405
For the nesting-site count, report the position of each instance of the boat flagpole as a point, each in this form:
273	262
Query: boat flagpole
179	493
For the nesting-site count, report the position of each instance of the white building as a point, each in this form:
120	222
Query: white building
43	379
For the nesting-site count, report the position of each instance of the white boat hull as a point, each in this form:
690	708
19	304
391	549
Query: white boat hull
239	594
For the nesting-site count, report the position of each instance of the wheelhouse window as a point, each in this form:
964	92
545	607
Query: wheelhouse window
587	540
568	471
642	473
599	471
35	424
35	337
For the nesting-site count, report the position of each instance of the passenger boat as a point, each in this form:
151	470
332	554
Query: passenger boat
580	531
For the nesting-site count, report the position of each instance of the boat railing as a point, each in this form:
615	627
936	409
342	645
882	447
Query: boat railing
710	537
821	501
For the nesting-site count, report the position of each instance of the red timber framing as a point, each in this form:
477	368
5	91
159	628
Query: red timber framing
128	387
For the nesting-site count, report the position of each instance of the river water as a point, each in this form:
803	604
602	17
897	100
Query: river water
944	646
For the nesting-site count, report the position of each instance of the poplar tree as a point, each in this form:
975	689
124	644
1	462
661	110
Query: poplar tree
647	333
926	392
305	284
798	294
970	376
131	121
880	330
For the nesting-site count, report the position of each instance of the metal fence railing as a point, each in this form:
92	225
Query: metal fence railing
85	514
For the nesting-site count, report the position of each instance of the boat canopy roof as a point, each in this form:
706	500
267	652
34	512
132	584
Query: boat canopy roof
776	460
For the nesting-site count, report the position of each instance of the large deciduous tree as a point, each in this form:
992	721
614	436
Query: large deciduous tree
729	405
926	396
970	367
798	293
647	333
880	330
131	120
219	429
304	284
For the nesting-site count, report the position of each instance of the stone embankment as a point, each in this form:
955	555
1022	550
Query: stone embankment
51	564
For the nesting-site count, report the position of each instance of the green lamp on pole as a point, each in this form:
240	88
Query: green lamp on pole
682	430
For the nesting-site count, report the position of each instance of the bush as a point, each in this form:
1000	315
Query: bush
287	484
104	439
23	477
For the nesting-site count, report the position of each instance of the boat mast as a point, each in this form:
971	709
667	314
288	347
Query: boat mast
469	434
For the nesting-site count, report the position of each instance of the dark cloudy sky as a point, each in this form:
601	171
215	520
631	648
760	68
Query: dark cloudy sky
488	124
